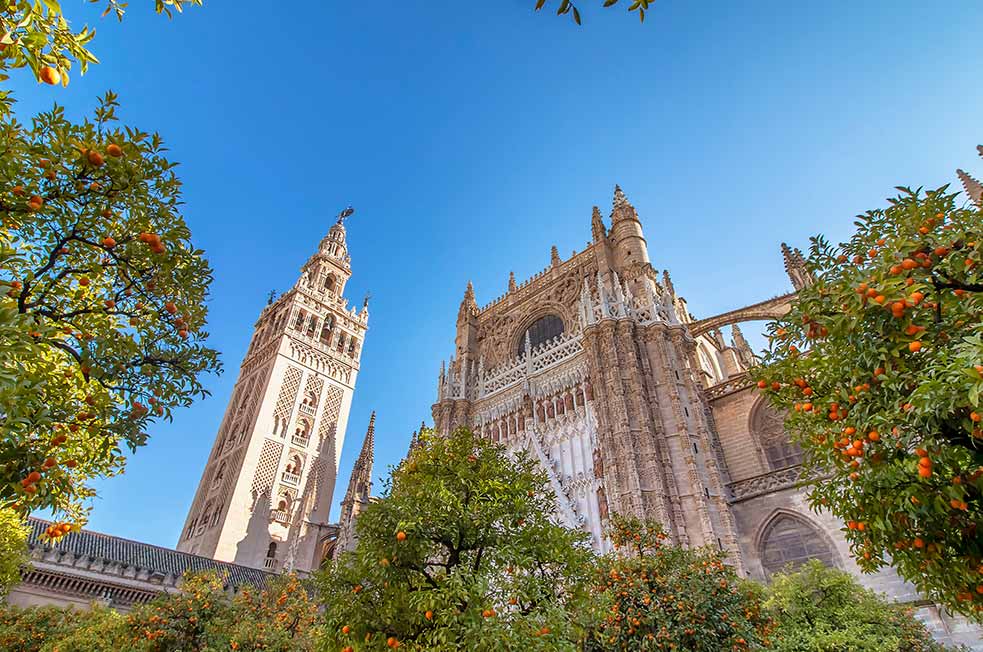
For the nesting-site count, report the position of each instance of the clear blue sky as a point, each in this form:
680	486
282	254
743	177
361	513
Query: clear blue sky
471	136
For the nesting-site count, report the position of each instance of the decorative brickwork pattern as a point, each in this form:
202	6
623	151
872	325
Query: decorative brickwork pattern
269	460
328	425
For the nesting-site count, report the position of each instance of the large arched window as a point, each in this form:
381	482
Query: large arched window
769	428
791	541
541	330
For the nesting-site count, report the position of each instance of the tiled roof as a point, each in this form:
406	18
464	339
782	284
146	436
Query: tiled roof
141	555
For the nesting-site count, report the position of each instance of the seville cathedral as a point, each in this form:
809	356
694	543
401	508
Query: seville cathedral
594	366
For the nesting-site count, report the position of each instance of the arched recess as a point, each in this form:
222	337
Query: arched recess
767	428
555	311
789	539
707	357
327	548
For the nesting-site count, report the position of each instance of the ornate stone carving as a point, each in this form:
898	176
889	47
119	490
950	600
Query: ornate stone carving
766	483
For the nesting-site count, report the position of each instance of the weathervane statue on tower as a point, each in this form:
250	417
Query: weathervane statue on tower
345	214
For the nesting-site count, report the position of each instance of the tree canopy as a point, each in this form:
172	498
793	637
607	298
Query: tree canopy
102	303
653	595
36	34
278	617
817	608
879	366
460	550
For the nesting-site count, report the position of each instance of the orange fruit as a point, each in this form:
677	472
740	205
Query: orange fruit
114	150
50	75
915	346
94	158
400	536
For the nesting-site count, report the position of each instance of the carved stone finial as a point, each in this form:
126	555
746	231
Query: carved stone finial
271	298
667	282
555	256
621	208
512	285
597	229
973	188
469	307
741	346
795	267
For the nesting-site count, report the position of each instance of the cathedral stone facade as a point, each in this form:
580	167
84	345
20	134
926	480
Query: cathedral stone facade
265	493
597	369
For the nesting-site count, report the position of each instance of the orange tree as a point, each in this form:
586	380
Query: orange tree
879	366
460	553
37	35
278	617
102	303
819	608
652	595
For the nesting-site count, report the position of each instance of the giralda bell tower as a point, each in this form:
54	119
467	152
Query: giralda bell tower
265	494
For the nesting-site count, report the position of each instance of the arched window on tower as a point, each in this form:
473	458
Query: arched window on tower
299	321
270	556
326	329
792	541
312	327
542	330
219	474
329	283
768	427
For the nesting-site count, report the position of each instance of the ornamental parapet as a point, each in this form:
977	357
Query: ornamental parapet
766	483
473	382
729	386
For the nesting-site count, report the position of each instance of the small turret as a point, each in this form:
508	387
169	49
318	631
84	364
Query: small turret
555	256
628	242
467	324
512	285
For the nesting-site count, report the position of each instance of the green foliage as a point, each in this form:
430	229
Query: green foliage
886	402
53	629
36	34
459	554
652	595
13	548
568	7
201	618
102	303
819	609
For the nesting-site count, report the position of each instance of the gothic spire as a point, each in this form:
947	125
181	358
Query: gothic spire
469	307
973	188
554	256
598	232
365	458
795	267
512	285
621	208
